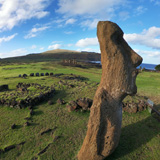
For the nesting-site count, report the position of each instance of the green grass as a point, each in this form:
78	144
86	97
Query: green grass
140	137
148	83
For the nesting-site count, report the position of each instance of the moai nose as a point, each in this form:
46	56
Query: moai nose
136	59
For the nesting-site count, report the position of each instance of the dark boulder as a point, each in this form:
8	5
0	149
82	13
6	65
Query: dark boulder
3	87
47	74
13	126
32	74
37	74
24	75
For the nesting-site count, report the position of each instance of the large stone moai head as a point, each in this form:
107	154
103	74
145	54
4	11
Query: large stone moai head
119	61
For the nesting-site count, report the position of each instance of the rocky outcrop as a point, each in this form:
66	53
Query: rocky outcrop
83	104
119	73
132	107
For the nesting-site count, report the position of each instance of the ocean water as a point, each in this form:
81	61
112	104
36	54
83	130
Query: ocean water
143	65
148	66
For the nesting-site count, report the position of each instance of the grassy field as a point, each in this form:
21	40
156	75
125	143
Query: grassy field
140	137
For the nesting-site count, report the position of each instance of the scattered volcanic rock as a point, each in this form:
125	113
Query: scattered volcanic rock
13	126
60	101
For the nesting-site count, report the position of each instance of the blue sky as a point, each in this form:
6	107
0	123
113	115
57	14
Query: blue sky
34	26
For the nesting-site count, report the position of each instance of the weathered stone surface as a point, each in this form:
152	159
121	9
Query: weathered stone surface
131	108
142	106
72	106
119	73
84	103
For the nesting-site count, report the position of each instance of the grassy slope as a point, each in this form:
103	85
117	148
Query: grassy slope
140	138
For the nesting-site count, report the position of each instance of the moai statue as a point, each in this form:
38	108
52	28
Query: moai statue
119	73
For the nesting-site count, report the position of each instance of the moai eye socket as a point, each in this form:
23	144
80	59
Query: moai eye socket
117	38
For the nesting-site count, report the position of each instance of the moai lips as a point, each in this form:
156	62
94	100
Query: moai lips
119	73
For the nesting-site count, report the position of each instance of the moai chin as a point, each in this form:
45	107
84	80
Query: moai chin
119	73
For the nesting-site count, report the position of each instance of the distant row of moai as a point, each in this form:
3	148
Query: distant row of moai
37	74
69	61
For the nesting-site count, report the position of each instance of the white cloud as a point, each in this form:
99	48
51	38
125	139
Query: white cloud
149	38
156	2
140	10
12	12
70	45
90	23
148	53
33	47
71	21
124	15
35	31
17	52
42	48
54	46
87	42
89	12
91	50
80	7
6	39
68	32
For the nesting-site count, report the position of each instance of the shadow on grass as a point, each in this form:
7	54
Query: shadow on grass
37	113
34	124
134	136
18	126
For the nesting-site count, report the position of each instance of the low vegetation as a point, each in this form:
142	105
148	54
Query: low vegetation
47	131
157	68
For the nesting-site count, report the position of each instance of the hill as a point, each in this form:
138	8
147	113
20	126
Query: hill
53	55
